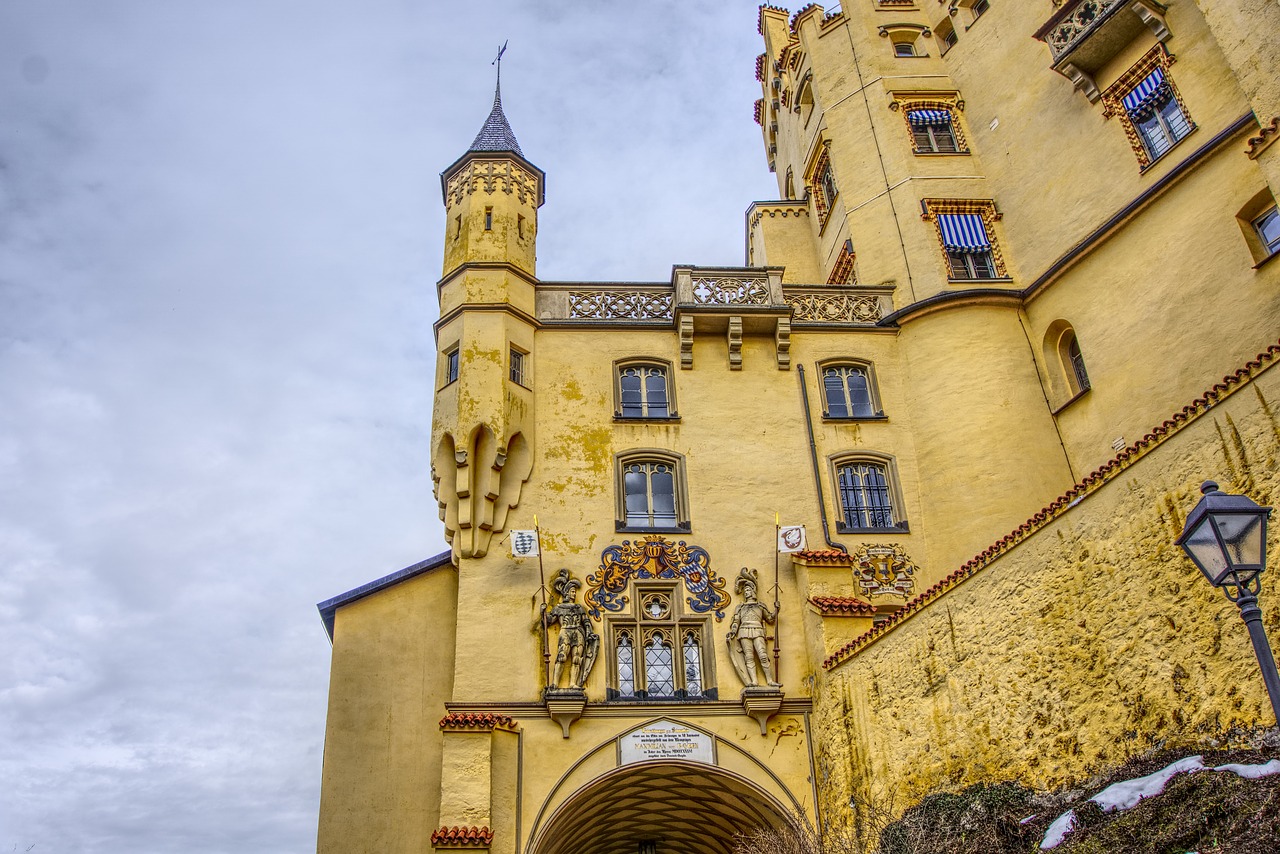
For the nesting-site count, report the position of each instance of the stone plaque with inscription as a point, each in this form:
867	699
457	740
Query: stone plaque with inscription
665	740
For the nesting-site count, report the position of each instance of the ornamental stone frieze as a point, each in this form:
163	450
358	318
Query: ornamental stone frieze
490	176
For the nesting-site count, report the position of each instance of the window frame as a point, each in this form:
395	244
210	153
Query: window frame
820	183
452	364
518	362
1067	372
955	259
1156	59
950	103
1269	247
892	490
663	365
680	498
873	390
641	625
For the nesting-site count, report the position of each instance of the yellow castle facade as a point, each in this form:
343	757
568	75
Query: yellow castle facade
886	510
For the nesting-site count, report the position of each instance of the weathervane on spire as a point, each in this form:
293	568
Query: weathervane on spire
498	60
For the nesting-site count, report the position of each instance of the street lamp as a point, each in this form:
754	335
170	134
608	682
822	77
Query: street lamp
1226	536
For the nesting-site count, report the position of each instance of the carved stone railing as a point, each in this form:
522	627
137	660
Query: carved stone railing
1083	35
739	290
619	305
708	294
834	306
1074	21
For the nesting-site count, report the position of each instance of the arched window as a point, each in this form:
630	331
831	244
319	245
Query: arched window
1075	360
642	389
1064	364
848	391
657	648
624	649
790	186
651	492
868	495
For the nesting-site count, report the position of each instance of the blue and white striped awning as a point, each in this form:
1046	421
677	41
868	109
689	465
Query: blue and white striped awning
963	232
1151	90
929	117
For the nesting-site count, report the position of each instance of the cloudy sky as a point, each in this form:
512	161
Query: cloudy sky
220	229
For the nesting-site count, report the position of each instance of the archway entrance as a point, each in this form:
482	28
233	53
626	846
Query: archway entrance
682	807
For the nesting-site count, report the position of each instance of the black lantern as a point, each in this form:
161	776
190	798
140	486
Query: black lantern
1226	536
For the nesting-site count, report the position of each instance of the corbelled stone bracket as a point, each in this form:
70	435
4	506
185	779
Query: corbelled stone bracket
686	343
761	702
564	705
782	342
735	343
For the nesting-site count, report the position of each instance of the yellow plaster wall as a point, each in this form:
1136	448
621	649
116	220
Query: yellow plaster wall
389	681
1087	643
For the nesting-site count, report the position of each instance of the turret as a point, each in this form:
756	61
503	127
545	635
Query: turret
482	439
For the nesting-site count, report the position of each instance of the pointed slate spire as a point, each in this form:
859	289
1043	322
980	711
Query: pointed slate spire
496	135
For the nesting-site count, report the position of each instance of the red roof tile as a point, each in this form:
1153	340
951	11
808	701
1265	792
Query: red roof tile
1068	499
477	722
462	837
842	605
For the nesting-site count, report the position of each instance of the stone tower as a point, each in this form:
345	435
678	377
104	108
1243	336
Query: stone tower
482	438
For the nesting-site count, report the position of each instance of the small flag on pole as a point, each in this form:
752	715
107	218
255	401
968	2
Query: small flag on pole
524	544
791	538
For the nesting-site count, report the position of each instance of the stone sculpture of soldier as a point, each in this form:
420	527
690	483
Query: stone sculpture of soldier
578	645
747	646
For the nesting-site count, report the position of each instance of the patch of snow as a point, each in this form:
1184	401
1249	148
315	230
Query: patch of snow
1252	772
1029	819
1062	825
1126	794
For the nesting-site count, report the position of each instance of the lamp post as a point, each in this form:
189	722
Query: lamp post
1226	536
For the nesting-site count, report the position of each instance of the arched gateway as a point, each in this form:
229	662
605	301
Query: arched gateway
680	807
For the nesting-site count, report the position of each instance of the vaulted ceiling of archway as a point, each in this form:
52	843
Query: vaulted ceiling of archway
685	809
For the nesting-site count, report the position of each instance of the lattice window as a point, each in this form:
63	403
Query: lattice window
1150	107
658	651
866	496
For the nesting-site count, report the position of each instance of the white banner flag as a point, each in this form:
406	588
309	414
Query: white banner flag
524	544
791	538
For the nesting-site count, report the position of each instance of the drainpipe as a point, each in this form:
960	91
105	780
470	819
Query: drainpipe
813	457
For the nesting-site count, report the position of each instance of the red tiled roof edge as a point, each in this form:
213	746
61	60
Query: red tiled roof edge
825	556
841	605
458	722
462	837
1088	484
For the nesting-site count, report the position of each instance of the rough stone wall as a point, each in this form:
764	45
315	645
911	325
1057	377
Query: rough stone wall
1089	642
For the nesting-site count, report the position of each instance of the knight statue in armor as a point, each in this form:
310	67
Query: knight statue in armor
578	645
747	646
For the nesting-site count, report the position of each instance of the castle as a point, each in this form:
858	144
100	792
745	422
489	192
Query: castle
888	509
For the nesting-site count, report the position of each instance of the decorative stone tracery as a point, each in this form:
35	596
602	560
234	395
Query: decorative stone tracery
611	305
491	176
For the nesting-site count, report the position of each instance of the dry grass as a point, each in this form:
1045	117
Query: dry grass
1205	812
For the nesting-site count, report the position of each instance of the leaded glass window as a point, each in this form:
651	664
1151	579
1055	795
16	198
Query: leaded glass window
692	663
625	651
659	670
657	648
650	495
847	392
642	392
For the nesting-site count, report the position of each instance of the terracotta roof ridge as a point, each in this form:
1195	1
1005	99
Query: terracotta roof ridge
1086	485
